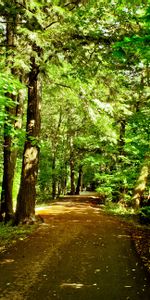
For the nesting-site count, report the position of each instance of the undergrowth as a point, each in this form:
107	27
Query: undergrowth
10	234
118	209
140	217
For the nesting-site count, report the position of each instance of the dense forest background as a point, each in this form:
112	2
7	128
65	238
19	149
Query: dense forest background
74	102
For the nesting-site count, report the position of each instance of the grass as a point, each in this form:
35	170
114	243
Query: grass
127	214
140	218
119	209
9	234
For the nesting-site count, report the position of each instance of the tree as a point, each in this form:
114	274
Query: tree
9	86
27	193
8	174
93	61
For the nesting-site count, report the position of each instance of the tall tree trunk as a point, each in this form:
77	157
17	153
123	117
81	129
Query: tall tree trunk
9	154
141	183
10	157
121	142
72	170
7	184
25	210
54	155
54	176
64	177
72	177
120	190
79	183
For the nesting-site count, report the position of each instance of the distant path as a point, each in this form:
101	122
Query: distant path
78	254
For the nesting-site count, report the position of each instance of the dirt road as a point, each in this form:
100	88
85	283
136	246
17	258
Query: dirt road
79	253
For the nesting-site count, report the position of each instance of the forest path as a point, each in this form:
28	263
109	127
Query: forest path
79	253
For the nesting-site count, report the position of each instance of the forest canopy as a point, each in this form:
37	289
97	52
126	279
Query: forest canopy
74	102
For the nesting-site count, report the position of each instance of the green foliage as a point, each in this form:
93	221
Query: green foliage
144	214
9	234
134	46
94	65
105	192
45	175
118	209
8	85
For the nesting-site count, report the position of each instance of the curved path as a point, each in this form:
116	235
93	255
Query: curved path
79	253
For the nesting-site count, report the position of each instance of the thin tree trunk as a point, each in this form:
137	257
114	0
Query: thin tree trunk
72	170
72	177
79	183
25	210
64	178
121	142
54	177
54	156
120	192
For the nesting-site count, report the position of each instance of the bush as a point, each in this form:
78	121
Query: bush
118	209
105	193
144	215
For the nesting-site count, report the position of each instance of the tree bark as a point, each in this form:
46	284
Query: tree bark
9	153
121	142
25	210
120	190
6	195
64	177
72	177
79	183
54	176
54	156
71	162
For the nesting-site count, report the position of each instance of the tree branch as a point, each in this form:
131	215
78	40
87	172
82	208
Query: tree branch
8	46
87	38
63	85
54	22
73	2
23	6
10	22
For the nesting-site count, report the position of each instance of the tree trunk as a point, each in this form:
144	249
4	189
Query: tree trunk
7	184
72	179
141	183
121	142
120	190
64	178
9	153
10	157
54	156
54	177
25	210
79	183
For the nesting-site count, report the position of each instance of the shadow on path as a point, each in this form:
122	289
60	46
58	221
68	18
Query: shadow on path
77	254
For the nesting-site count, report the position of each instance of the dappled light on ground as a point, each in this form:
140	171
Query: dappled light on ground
6	261
77	204
72	285
64	208
77	253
